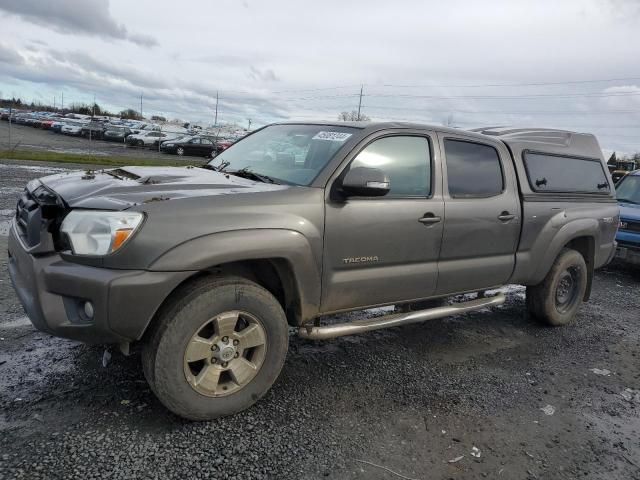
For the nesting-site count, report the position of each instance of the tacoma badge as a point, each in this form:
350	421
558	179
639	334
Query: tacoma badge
373	258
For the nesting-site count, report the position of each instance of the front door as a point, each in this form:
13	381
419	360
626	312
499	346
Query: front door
382	250
483	221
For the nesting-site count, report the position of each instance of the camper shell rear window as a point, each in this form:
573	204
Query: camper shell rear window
553	173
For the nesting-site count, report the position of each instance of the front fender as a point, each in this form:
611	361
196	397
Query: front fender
208	251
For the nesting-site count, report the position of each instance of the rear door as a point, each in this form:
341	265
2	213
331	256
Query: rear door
385	249
195	146
207	146
482	225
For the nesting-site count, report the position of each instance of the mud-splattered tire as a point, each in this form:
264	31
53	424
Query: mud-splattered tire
216	348
556	300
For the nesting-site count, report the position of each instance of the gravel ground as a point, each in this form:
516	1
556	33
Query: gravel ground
536	402
26	138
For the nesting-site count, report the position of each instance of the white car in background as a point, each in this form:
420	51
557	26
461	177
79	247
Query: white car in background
149	138
72	128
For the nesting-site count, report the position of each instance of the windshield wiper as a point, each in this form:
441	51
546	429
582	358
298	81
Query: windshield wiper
219	168
626	200
246	173
224	164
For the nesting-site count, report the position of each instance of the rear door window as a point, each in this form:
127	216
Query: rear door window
556	173
473	169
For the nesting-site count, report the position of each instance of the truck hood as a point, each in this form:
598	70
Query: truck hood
629	211
122	188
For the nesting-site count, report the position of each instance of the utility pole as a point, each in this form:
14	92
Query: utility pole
215	122
141	106
360	102
249	127
10	115
62	107
54	103
93	114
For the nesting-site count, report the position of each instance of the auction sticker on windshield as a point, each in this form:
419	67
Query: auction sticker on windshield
332	136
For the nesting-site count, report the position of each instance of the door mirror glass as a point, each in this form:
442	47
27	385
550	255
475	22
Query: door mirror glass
366	182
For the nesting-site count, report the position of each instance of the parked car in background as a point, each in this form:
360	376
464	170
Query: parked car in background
628	237
57	126
73	128
94	129
115	133
47	124
622	168
194	146
222	145
21	118
146	139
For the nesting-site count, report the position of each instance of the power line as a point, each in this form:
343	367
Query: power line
532	112
483	85
532	84
518	97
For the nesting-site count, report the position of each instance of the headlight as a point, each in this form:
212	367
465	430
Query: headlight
92	232
167	145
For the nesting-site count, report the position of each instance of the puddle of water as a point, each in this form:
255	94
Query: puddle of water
5	226
10	190
5	221
17	323
515	290
33	168
85	151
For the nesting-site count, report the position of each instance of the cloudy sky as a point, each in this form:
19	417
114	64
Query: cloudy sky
570	64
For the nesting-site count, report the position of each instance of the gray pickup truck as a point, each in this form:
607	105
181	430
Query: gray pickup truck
207	268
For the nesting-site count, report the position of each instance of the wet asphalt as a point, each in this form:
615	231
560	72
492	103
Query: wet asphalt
489	394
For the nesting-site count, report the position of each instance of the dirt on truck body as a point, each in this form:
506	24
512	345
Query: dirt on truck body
300	220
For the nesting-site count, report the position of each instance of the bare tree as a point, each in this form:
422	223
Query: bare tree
352	116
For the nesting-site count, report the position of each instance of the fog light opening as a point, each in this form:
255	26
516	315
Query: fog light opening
88	309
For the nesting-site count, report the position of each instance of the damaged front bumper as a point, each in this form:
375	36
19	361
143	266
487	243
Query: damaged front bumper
54	294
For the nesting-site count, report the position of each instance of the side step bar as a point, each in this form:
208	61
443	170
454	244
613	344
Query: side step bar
396	319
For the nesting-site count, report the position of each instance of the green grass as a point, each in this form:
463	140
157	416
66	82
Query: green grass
113	161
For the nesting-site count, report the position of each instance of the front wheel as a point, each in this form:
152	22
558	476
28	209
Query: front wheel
180	151
558	297
216	348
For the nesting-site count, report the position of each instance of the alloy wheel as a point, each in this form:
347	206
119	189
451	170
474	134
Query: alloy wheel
225	354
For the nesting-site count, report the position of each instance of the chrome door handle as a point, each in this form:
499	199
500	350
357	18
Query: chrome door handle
506	216
429	219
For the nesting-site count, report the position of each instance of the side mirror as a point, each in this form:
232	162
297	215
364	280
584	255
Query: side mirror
365	182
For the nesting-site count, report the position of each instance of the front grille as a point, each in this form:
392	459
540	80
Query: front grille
38	213
629	226
29	219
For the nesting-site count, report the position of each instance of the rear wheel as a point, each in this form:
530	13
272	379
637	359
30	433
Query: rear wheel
558	297
140	143
216	349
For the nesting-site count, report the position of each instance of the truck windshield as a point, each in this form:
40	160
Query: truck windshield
292	154
628	190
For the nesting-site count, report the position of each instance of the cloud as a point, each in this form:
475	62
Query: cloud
266	75
89	17
118	86
10	56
